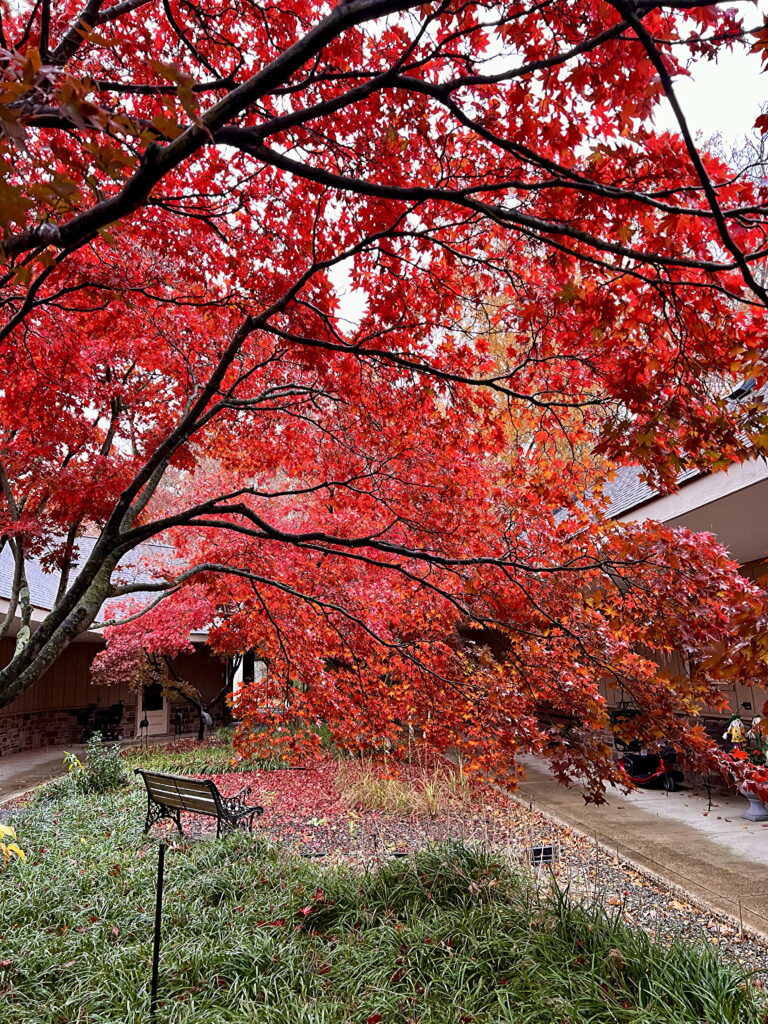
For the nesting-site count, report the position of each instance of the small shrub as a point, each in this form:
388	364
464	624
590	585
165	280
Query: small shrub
103	771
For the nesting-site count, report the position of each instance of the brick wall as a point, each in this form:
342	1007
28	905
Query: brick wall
34	729
30	730
37	729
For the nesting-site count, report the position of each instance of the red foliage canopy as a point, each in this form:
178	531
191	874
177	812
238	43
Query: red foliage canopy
541	280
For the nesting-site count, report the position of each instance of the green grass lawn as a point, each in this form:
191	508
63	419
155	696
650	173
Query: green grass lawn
252	934
188	757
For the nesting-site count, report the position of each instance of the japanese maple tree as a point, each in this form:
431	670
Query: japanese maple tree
395	499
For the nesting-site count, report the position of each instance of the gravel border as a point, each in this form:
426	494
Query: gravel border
596	872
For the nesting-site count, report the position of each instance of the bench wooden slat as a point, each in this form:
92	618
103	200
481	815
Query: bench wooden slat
187	803
173	787
178	780
177	791
176	795
186	794
179	788
192	784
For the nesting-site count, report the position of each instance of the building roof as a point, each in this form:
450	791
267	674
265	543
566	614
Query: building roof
626	490
43	583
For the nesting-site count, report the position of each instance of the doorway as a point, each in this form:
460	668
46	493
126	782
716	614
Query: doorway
154	708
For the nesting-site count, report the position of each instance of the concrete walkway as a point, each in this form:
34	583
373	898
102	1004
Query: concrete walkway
21	772
715	855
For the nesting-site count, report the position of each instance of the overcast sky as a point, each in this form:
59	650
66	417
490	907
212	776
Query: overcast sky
721	97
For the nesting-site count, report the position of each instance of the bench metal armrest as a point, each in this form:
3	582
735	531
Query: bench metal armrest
237	807
252	811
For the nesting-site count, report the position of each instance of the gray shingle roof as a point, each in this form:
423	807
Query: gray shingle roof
43	585
627	491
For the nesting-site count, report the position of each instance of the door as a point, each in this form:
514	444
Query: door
154	708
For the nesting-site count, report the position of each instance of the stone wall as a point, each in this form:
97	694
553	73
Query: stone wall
188	720
31	730
38	729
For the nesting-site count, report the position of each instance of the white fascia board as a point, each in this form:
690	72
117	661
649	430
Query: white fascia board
699	492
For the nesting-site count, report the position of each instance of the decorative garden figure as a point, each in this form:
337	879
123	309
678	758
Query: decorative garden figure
735	732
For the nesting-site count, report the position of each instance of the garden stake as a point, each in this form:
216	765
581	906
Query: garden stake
158	916
595	870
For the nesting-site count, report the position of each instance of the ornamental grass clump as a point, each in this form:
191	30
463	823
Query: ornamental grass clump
417	788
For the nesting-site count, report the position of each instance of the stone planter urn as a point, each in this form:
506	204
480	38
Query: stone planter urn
757	811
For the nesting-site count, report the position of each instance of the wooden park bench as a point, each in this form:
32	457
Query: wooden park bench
169	795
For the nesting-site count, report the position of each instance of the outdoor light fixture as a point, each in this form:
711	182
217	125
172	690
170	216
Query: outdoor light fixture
545	854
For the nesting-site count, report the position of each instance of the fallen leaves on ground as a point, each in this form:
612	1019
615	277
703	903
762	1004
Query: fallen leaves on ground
304	810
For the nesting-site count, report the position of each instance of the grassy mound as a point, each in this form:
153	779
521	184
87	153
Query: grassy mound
449	936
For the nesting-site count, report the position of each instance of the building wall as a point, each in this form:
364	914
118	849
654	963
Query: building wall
52	711
731	504
188	721
755	570
746	701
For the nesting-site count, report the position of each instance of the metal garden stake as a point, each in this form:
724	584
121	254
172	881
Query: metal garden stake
158	918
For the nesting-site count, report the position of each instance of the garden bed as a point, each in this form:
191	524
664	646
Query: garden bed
306	813
452	935
319	920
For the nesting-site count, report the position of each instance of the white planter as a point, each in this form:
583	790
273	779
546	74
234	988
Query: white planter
757	810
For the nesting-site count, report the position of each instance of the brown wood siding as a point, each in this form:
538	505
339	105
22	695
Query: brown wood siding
754	570
203	670
67	683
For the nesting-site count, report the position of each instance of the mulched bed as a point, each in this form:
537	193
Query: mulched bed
305	812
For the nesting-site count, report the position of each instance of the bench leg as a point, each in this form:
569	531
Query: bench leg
156	812
225	827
